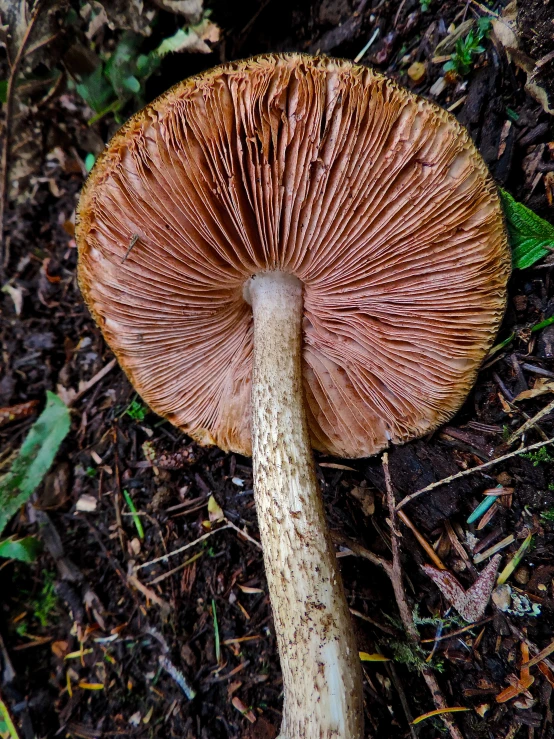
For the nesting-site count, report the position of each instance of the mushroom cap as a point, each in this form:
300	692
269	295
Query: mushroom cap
376	199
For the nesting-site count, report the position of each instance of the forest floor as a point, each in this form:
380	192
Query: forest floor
92	647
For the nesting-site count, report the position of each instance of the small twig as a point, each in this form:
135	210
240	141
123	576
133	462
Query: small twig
165	557
389	666
433	556
136	583
8	122
243	533
396	570
132	242
93	380
387	629
178	676
465	473
117	495
452	634
180	567
398	587
362	552
531	422
532	646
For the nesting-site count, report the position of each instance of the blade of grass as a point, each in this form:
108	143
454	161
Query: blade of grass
542	324
514	562
7	720
136	517
216	634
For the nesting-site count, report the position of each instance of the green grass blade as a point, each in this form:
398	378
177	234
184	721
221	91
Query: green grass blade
136	517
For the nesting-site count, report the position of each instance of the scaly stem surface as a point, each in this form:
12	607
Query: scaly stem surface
321	669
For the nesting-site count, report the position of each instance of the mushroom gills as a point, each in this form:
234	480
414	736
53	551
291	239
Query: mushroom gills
321	670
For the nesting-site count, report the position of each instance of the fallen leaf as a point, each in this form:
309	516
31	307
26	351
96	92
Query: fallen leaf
215	512
366	657
417	71
239	705
17	412
472	603
191	39
542	386
16	294
86	504
191	9
448	44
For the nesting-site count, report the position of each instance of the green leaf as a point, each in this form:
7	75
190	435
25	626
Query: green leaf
132	84
35	457
95	90
3	90
529	233
25	550
89	161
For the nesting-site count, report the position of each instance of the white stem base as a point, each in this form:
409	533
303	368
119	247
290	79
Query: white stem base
319	659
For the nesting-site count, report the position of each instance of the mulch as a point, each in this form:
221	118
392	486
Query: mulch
93	653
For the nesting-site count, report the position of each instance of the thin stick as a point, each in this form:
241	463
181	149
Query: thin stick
182	549
8	122
465	473
532	647
361	551
132	242
243	533
433	556
531	422
398	587
93	380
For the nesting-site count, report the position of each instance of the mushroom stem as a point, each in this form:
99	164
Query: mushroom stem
319	658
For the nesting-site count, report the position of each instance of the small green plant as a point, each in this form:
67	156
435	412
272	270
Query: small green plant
461	61
540	456
551	486
548	515
136	410
413	656
446	623
47	600
42	606
424	5
122	74
91	472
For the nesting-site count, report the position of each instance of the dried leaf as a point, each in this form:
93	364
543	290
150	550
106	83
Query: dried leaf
448	44
16	294
470	604
505	28
17	412
542	386
192	39
417	71
129	15
366	657
190	9
239	705
215	512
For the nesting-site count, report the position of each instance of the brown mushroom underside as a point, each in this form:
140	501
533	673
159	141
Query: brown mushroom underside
374	198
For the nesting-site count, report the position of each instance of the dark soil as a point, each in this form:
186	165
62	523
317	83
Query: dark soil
87	646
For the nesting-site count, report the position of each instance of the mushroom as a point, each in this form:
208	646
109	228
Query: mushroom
291	252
